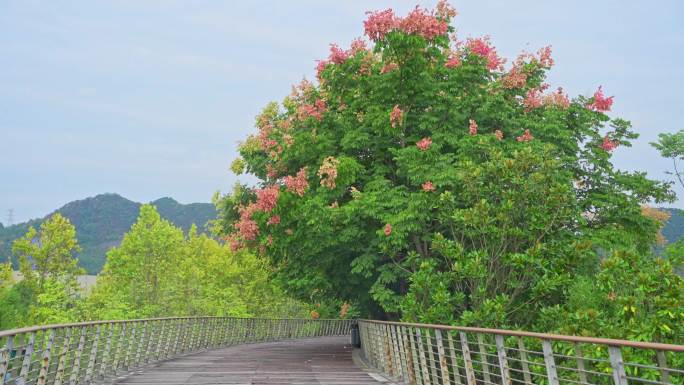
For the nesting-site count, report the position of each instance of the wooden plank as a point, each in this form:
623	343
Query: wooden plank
322	360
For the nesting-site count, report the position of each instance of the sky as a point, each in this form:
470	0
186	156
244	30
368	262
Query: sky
149	98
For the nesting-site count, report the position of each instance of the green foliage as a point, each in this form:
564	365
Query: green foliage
48	292
48	255
438	192
631	297
672	146
102	220
157	271
15	302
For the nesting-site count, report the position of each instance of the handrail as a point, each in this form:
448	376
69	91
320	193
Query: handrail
428	354
10	332
555	337
95	352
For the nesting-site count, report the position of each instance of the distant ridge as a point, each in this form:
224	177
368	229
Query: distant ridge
674	228
102	220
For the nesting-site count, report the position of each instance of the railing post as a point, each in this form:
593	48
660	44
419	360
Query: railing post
403	360
483	357
389	359
93	356
178	332
550	363
442	356
5	356
431	356
415	356
107	351
503	360
129	345
141	342
153	336
423	361
525	367
118	350
410	355
454	360
468	361
45	362
26	364
580	365
618	366
76	366
162	338
61	364
662	365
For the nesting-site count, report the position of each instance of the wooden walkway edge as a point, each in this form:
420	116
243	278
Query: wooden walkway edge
320	360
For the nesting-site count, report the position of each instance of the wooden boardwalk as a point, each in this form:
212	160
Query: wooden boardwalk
321	360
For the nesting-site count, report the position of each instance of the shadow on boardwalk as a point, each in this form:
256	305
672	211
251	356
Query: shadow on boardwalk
322	360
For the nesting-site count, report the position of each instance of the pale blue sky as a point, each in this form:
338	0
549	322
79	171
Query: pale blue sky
149	98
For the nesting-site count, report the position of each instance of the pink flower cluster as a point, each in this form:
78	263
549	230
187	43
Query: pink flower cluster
557	98
600	103
274	220
234	242
452	61
421	23
297	184
428	186
302	90
396	116
444	10
246	227
337	55
472	126
515	78
545	59
388	229
499	135
389	67
525	137
424	144
533	99
328	172
379	23
267	198
271	171
357	45
320	67
315	110
418	22
482	47
609	145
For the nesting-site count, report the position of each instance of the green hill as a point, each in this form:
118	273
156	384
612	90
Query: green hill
101	222
674	228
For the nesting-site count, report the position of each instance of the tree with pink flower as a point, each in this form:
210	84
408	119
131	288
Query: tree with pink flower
425	177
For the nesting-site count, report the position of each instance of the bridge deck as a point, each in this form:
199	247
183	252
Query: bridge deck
322	360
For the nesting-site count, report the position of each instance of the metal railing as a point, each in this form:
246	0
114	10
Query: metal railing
436	354
95	352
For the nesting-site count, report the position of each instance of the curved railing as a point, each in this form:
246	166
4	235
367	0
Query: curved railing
437	354
94	352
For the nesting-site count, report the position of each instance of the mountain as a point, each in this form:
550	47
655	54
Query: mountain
102	220
674	228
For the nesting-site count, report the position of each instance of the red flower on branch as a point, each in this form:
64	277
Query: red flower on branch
600	103
424	144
